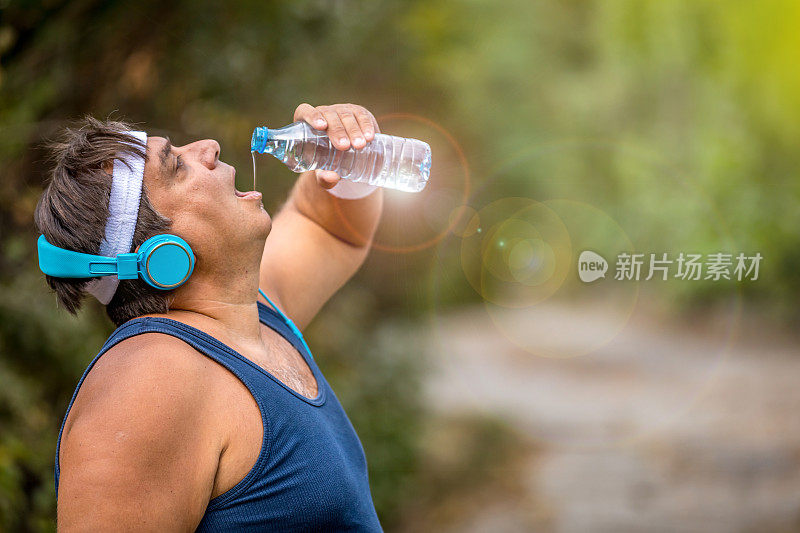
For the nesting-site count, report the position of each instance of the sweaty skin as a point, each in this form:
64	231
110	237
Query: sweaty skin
158	429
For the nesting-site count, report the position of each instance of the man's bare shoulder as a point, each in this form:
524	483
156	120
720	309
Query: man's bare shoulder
150	362
144	379
139	436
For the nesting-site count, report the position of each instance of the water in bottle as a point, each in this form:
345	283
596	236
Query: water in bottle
386	161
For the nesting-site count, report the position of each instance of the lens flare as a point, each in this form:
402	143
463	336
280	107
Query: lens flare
544	325
554	335
414	222
519	253
464	221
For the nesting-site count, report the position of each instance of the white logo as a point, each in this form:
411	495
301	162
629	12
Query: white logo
690	266
591	266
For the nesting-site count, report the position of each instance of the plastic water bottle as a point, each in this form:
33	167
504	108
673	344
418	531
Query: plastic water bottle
386	161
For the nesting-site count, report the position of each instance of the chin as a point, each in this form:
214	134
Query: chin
263	227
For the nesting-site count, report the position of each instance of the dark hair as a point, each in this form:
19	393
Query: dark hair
73	209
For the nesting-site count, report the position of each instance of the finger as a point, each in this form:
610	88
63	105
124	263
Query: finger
374	122
365	122
353	129
317	120
312	115
303	111
336	130
364	114
327	178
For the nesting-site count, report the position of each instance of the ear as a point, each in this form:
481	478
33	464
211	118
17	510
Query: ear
108	167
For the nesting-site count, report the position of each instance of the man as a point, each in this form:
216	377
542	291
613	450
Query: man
203	410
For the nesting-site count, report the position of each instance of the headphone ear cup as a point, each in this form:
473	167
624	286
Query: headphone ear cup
165	261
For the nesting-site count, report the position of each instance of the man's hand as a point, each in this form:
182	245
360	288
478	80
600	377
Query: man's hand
318	241
347	125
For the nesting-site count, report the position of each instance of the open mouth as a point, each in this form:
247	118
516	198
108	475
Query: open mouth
251	195
247	195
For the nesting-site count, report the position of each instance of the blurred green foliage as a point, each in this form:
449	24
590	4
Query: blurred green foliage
681	119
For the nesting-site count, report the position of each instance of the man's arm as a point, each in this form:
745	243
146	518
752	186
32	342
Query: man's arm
318	241
136	453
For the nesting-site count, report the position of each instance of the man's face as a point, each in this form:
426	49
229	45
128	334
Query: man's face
193	188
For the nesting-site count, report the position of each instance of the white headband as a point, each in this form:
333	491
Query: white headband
123	212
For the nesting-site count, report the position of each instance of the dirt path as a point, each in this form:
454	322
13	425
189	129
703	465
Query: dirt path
662	429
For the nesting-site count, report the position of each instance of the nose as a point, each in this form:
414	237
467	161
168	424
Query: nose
208	152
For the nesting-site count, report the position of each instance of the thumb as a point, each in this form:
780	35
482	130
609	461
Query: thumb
327	179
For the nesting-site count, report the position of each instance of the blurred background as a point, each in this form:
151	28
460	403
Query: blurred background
492	389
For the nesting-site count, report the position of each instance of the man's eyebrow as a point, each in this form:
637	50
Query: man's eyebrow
163	154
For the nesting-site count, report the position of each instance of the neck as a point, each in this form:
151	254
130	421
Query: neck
226	304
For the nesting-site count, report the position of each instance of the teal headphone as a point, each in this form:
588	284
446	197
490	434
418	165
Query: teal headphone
164	262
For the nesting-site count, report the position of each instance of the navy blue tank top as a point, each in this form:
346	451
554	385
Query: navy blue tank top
311	473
